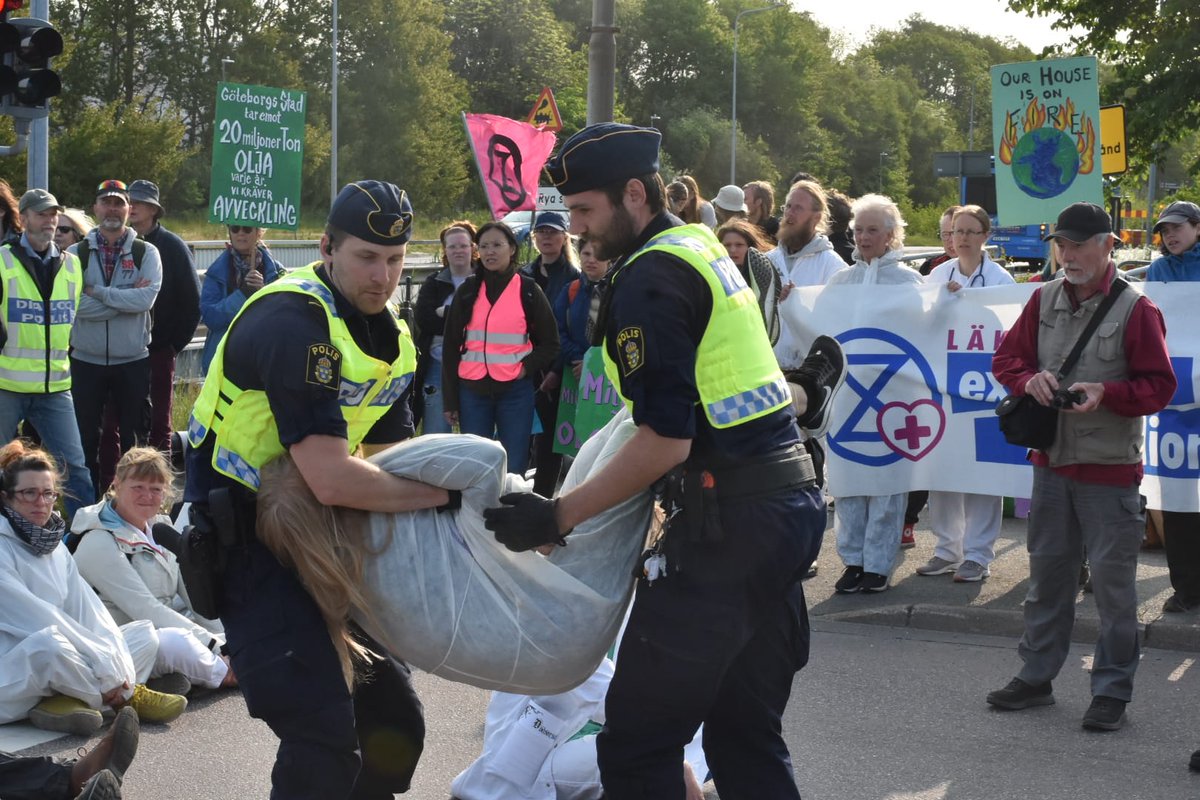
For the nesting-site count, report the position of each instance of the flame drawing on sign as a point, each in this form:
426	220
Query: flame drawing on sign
1009	141
1087	147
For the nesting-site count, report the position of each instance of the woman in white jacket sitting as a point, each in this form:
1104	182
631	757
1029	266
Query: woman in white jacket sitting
137	576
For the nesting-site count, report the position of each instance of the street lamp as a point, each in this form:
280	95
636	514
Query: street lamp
333	111
882	156
733	135
224	63
654	118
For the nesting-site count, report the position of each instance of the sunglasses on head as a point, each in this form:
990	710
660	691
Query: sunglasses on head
241	228
106	186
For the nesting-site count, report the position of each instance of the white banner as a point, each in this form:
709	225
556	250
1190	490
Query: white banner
917	410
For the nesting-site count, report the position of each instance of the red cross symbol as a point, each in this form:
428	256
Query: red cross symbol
912	431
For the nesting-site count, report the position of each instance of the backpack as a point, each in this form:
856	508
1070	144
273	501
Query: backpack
83	252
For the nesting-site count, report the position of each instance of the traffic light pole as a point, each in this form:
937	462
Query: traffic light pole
37	169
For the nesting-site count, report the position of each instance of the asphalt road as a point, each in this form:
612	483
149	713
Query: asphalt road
880	713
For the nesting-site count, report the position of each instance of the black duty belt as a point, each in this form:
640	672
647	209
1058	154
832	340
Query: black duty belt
791	468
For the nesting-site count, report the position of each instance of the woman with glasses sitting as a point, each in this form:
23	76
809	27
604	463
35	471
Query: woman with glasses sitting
125	552
245	267
62	656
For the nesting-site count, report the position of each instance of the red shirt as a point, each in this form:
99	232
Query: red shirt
1149	388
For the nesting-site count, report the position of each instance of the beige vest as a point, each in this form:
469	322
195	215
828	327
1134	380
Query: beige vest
1099	437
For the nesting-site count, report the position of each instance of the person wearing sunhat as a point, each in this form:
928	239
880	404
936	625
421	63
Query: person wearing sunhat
730	203
35	373
718	626
314	364
1085	485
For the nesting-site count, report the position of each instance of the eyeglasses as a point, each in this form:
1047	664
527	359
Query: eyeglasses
961	232
112	186
64	229
792	207
946	235
242	229
33	495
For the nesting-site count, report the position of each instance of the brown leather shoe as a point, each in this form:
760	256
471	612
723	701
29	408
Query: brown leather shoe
113	753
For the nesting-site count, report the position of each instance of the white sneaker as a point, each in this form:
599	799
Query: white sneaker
937	566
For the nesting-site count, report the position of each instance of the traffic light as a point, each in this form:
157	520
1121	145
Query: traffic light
26	81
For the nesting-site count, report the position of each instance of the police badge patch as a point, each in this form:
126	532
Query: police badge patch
324	366
631	348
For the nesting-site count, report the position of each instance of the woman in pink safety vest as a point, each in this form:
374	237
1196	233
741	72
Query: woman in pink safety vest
500	330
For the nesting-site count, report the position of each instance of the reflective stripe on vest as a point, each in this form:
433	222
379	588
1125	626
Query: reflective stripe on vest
497	337
34	359
736	372
241	420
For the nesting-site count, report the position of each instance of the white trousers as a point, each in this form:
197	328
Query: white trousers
966	525
180	651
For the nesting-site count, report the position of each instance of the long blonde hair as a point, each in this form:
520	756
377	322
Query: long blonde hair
326	545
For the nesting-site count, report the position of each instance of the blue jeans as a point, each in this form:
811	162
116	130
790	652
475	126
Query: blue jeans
434	420
53	415
506	417
868	530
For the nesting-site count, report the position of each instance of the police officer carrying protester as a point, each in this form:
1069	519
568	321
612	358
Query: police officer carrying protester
283	381
718	634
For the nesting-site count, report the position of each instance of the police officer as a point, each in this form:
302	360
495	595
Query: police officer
717	637
313	365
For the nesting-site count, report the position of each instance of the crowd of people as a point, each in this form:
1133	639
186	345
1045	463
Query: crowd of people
682	297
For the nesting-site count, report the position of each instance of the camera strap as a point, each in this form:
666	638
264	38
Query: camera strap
1118	285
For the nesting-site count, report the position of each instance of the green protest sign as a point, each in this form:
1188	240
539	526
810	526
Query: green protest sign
593	401
258	154
1046	129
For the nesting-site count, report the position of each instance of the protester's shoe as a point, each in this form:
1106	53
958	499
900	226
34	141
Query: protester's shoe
152	706
1194	762
113	754
101	786
825	369
850	582
171	683
1177	604
874	582
1018	695
971	571
64	714
936	566
1104	714
812	572
907	539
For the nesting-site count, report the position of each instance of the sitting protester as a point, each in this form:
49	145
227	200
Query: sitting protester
62	657
95	775
125	553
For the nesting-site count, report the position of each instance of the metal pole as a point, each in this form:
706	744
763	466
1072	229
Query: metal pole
737	21
882	156
602	62
37	168
333	155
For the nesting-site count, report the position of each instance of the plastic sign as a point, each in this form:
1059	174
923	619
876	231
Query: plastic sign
1113	153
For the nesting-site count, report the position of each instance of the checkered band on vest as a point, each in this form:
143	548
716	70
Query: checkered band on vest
747	404
230	462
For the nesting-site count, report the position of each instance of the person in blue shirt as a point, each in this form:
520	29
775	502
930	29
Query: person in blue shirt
576	308
244	268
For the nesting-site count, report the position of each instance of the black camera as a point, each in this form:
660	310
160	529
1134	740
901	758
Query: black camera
1065	398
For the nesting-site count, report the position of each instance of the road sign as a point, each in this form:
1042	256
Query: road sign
1113	153
545	111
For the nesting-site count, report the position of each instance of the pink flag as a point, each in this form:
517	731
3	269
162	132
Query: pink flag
510	156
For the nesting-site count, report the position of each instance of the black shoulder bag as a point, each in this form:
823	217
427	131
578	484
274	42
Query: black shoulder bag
1027	423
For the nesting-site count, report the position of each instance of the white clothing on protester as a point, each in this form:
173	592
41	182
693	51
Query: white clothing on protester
988	273
812	265
885	270
966	525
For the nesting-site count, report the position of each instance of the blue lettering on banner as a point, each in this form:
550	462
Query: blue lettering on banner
992	448
1173	443
970	383
1185	388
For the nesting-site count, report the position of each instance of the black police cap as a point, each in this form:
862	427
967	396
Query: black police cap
374	211
602	154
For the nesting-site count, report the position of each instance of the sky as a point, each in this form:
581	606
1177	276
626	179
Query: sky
855	18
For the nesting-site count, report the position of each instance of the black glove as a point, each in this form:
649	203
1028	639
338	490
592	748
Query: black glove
453	504
524	521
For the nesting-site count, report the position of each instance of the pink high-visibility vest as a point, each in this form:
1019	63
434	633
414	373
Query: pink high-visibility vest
497	337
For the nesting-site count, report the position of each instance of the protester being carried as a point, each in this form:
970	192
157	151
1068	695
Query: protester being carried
62	657
125	554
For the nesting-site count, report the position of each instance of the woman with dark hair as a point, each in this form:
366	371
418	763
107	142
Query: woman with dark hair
704	210
682	203
744	243
244	268
499	331
839	224
10	217
458	261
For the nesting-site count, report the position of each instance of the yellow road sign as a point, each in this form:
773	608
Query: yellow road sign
1113	160
545	111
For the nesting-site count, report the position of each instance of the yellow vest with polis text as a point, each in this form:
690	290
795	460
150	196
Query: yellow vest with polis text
34	359
736	371
241	420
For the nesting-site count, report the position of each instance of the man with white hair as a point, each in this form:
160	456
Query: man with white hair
804	257
1085	484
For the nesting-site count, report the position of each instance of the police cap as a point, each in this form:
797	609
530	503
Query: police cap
374	211
602	154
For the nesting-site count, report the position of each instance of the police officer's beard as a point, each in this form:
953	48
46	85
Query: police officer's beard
620	237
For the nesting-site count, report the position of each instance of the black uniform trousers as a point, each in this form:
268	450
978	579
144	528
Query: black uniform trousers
1181	540
291	678
717	643
36	778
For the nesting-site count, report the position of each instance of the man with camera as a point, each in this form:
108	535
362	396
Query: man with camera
1085	484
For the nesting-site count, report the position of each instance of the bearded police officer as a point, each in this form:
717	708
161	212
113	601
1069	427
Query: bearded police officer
718	635
313	365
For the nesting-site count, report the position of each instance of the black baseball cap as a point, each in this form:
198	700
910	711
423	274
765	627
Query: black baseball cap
1079	222
1179	211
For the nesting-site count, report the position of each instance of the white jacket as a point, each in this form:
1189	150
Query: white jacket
136	579
989	274
814	265
884	270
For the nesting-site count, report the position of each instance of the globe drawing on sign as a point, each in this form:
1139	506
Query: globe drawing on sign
1045	162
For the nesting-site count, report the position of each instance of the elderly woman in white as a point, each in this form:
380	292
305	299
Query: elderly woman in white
868	526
